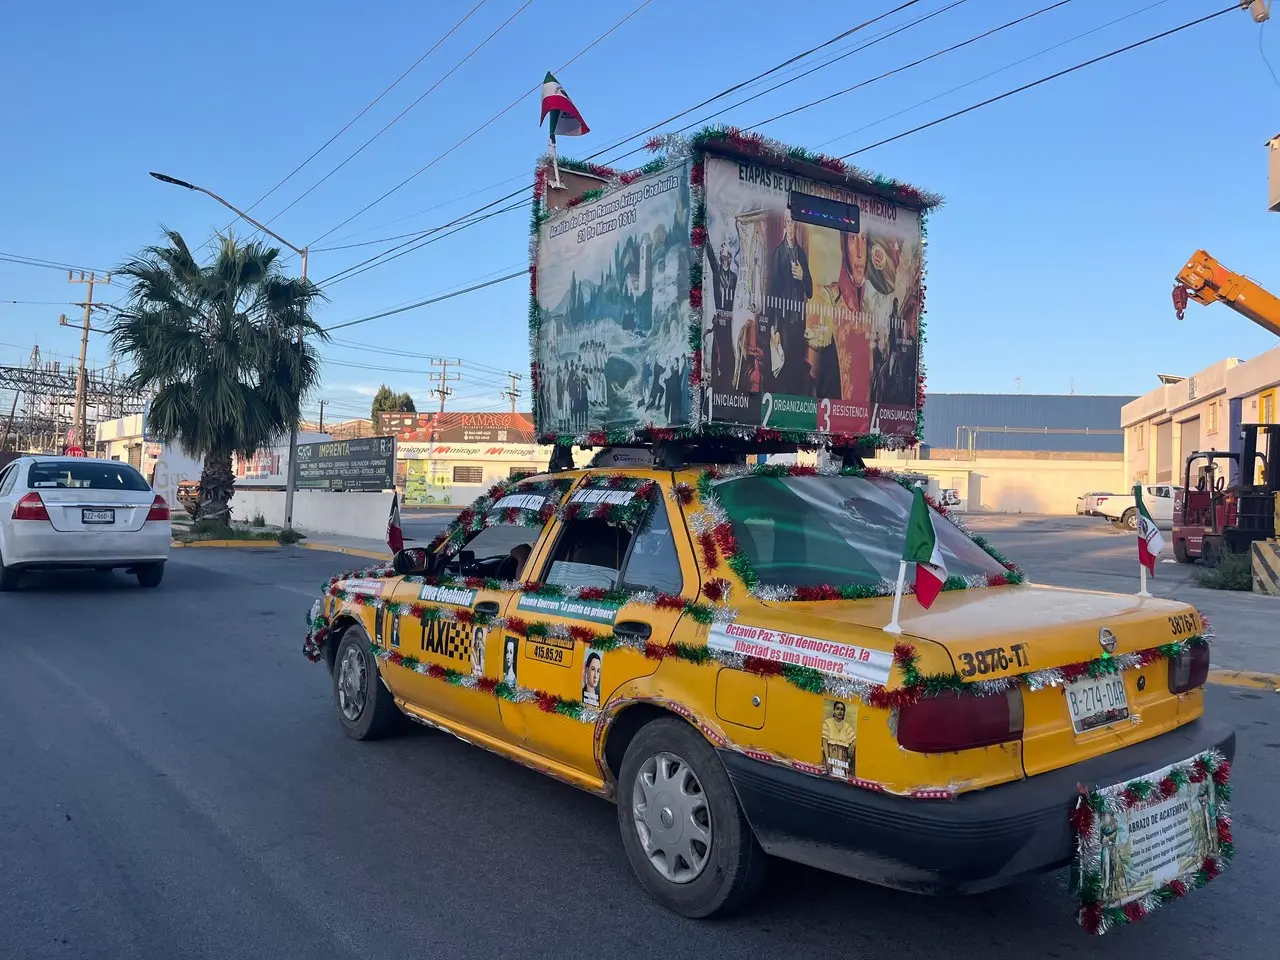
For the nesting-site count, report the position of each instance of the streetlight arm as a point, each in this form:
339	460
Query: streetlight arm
165	178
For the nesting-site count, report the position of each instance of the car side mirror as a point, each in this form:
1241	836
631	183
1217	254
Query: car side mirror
413	560
466	560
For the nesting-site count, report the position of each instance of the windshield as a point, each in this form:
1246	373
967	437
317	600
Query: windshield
85	474
810	531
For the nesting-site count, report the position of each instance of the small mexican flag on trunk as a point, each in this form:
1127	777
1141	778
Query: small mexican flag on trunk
1150	542
922	549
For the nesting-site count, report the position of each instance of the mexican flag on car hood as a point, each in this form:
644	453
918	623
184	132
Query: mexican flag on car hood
1150	542
922	549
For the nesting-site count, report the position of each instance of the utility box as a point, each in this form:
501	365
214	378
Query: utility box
1273	173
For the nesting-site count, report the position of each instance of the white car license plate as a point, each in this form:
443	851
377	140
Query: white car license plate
97	516
1096	703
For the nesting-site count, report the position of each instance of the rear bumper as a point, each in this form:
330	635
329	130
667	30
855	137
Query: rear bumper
37	545
979	841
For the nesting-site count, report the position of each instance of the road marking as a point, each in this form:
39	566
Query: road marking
1246	678
353	551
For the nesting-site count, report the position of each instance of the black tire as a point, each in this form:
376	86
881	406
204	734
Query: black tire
150	574
377	715
734	864
1130	519
9	577
1211	550
1180	552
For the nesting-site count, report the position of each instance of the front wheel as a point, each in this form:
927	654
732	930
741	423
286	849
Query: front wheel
365	706
1130	519
1180	551
683	831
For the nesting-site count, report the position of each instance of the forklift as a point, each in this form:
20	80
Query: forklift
1212	519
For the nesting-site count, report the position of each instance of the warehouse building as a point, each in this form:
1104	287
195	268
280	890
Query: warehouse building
1019	453
1200	412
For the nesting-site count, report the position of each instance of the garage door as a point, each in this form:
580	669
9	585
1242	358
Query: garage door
1190	436
1164	451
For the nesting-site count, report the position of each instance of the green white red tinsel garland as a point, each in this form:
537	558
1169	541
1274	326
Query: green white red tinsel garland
714	534
1094	916
914	684
677	149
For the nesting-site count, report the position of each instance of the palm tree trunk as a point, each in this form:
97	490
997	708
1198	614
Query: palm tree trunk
217	483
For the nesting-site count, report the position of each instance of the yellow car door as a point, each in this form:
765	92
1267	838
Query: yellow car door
575	641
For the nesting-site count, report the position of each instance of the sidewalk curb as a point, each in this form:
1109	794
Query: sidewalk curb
175	544
351	551
1246	678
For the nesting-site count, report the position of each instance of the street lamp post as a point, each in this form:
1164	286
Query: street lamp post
291	480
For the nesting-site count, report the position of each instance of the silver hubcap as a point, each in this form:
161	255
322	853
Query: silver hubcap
353	676
672	817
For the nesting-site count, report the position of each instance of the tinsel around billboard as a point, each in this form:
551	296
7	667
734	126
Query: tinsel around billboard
732	286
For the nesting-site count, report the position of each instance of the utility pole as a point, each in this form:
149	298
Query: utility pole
322	416
81	378
512	393
442	391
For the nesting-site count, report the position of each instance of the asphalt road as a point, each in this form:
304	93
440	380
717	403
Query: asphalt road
173	784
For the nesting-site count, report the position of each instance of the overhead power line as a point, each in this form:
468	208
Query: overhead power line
26	261
451	71
428	301
1053	76
423	169
367	107
384	256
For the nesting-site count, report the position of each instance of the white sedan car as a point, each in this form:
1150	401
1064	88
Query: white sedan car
62	512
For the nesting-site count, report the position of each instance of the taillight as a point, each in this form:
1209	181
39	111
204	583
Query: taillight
960	721
1189	669
30	507
159	509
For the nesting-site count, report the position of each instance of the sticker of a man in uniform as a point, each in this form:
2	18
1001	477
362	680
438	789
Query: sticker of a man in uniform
395	629
839	736
477	652
591	673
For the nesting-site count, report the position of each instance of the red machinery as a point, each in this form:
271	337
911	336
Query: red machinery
1211	518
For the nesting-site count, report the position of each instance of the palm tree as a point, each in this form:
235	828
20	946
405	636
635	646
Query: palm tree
220	346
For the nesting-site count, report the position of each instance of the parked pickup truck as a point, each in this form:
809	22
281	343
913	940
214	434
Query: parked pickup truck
1120	509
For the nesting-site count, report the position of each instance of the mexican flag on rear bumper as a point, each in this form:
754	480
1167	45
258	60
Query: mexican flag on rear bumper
922	549
1150	542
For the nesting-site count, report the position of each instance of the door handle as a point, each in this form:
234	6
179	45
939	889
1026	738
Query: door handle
487	607
633	630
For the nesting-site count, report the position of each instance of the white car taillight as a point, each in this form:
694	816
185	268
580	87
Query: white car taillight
159	509
30	507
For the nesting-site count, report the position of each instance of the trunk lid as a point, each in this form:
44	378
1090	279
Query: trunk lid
81	510
1012	631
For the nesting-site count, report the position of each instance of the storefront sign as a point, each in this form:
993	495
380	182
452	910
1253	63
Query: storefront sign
366	463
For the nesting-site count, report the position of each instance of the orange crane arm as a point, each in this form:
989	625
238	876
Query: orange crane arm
1206	281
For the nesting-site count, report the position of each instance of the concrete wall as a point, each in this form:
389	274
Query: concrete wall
1017	485
317	512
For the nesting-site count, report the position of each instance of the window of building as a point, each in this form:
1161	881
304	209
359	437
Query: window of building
468	474
1267	407
515	470
1211	418
1140	436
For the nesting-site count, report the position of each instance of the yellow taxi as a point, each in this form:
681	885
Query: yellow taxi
706	646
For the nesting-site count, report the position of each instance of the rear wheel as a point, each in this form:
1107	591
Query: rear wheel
150	575
1180	551
1211	551
683	831
365	706
9	577
1130	519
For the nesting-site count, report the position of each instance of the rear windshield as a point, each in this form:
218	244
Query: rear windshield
808	531
85	475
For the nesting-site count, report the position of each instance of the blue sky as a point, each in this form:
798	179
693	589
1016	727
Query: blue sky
1069	208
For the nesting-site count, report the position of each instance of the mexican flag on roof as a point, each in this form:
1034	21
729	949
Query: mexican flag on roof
923	550
1150	542
565	118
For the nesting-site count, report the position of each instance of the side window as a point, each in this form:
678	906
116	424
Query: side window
654	563
499	551
591	553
